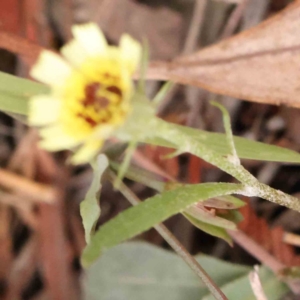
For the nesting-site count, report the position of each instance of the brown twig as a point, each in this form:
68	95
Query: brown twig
190	44
37	192
195	26
193	94
263	256
175	244
256	250
234	19
248	244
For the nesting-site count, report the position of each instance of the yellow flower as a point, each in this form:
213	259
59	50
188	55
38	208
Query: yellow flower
91	88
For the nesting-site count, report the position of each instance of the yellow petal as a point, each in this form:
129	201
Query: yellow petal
74	53
54	139
43	110
92	145
131	52
51	69
87	152
90	38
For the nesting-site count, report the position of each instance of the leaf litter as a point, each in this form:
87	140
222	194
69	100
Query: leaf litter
260	65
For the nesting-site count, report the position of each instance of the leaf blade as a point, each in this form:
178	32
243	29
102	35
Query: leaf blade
15	93
151	212
89	207
137	270
247	66
246	149
210	229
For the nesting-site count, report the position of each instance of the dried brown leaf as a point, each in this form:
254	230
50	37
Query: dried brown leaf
271	239
261	64
161	26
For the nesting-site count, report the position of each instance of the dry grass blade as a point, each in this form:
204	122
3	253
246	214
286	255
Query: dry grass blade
20	185
256	285
260	65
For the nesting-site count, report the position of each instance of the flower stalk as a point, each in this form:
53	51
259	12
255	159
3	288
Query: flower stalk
253	188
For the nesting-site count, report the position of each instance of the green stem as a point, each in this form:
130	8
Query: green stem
175	244
229	135
254	188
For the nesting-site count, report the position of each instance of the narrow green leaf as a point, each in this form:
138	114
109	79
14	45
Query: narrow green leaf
13	103
213	230
151	212
209	218
228	132
246	149
162	93
125	164
15	93
143	67
89	207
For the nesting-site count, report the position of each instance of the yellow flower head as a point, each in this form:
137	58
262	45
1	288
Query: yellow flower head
91	88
